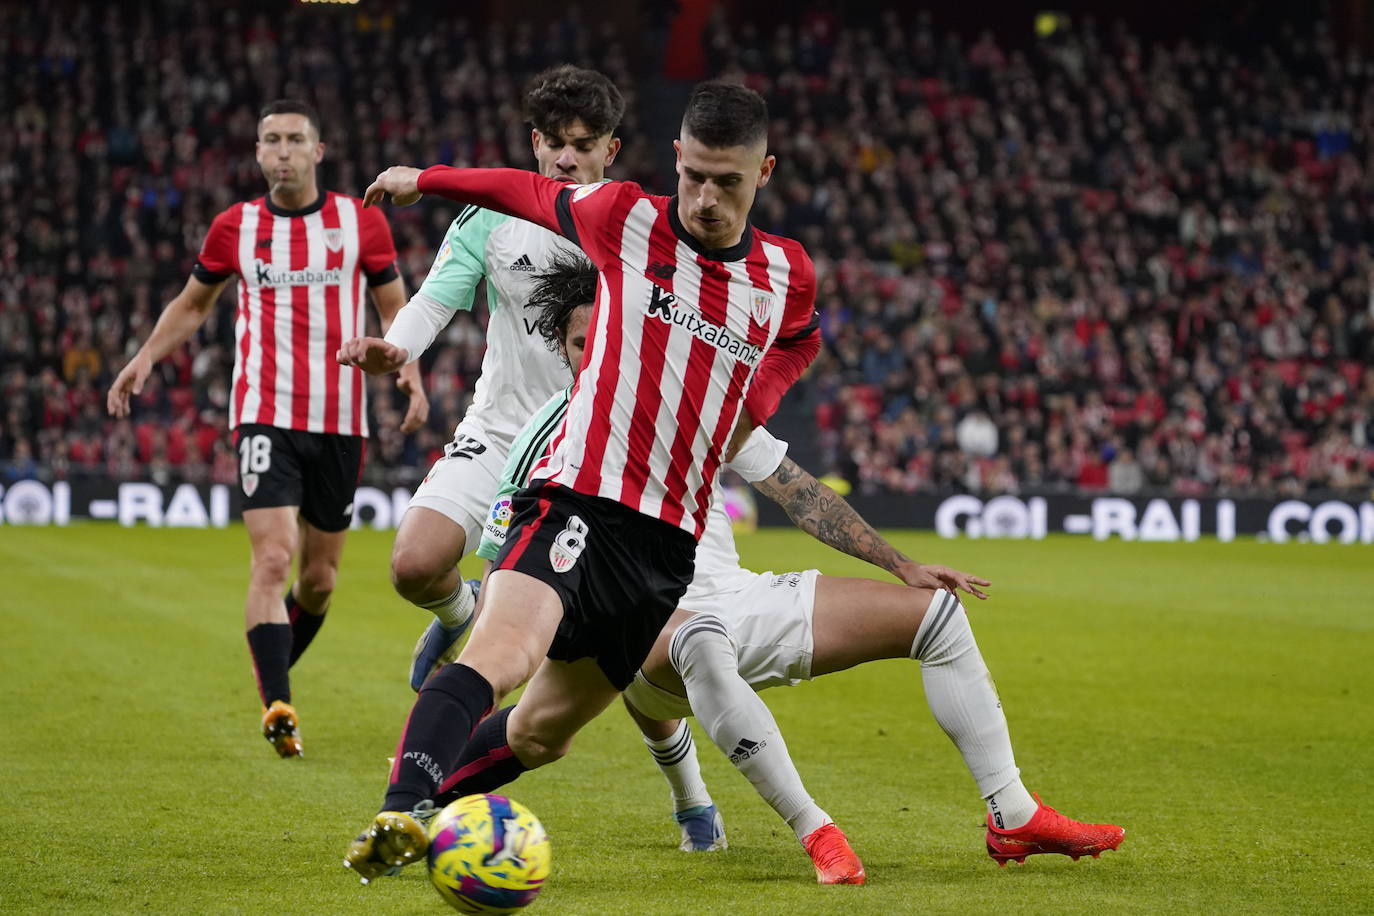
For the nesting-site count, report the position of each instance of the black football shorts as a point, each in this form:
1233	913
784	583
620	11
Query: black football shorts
619	573
317	472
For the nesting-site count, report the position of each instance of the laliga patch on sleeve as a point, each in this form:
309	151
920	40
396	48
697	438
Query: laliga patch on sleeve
445	250
498	522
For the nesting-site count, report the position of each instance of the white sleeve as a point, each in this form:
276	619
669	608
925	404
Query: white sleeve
417	324
759	457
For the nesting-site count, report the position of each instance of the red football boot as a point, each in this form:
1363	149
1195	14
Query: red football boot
835	861
1051	832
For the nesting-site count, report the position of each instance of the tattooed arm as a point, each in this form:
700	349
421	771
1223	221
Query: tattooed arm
824	514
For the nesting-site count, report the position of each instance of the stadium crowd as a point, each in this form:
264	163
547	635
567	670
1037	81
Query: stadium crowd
1094	263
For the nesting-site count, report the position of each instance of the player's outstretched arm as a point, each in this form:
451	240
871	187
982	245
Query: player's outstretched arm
398	182
515	192
824	514
174	327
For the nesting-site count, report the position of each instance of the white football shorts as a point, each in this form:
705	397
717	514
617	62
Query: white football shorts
770	623
462	484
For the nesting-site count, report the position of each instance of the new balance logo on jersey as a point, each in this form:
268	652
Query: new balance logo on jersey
661	270
266	275
746	749
523	263
265	243
663	306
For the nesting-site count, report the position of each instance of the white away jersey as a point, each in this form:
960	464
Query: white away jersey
519	372
718	570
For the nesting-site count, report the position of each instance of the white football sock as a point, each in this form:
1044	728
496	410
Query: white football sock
456	609
738	721
676	757
961	694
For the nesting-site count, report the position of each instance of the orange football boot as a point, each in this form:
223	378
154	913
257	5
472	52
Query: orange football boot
281	727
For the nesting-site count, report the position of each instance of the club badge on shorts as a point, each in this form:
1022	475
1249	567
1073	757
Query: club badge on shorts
250	483
568	545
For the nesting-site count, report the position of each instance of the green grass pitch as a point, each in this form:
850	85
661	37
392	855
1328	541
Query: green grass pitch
1213	698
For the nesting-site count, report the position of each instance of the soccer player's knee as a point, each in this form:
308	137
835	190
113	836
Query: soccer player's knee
317	579
412	571
534	750
703	650
272	563
945	633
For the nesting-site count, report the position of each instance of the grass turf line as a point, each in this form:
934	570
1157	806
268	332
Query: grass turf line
1207	696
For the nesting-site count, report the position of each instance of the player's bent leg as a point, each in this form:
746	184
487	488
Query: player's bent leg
321	552
519	619
704	654
960	692
273	538
522	615
307	601
424	571
670	744
425	555
560	699
862	620
669	740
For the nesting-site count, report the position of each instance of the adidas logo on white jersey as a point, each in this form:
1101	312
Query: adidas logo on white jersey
523	263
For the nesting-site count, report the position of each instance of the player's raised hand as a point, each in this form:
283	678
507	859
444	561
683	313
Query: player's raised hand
129	382
373	355
400	181
935	576
418	410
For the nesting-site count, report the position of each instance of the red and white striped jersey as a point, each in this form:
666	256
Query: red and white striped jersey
303	276
680	333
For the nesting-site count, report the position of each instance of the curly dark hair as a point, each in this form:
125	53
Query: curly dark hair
721	114
556	97
569	282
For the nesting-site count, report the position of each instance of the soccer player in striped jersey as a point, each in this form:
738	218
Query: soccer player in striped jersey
573	114
701	323
746	632
305	260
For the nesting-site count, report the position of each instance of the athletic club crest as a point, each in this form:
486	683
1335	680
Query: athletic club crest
333	239
761	307
250	484
568	545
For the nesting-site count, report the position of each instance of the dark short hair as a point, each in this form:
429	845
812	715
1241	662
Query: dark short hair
558	96
568	282
721	114
291	106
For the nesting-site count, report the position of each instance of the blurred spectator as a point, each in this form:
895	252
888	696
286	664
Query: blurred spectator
1097	262
1124	474
1144	265
136	117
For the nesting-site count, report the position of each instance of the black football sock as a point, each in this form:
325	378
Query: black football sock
448	708
304	625
486	764
270	645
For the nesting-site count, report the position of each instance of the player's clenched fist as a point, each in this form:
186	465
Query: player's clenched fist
400	181
373	355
